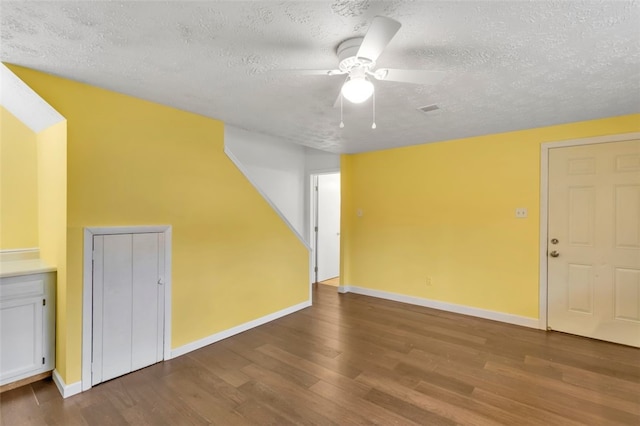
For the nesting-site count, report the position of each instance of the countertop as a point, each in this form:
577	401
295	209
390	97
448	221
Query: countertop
16	268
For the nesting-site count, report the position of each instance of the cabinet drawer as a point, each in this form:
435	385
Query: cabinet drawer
12	290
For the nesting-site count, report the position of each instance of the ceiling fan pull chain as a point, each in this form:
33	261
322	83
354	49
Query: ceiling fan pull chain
373	126
341	122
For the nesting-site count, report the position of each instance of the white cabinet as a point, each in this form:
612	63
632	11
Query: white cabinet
27	326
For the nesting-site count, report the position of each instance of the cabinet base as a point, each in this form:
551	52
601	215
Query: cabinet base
24	382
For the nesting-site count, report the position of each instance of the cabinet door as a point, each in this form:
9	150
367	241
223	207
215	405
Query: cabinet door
21	335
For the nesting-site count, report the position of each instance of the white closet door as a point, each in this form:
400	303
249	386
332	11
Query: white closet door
128	302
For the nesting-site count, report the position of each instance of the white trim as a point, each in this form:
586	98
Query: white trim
66	390
542	274
275	208
10	255
189	347
114	230
592	141
311	175
19	250
326	171
444	306
329	171
544	206
168	235
87	289
313	197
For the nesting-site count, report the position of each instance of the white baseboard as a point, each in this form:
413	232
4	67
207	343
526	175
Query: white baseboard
237	329
66	390
444	306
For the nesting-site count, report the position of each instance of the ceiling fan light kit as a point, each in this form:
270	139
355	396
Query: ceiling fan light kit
357	89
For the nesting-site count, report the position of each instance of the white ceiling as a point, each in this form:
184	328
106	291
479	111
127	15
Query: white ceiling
510	65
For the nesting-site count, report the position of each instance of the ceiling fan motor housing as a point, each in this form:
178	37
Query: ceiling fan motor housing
347	55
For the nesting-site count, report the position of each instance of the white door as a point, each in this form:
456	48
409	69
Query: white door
594	241
128	303
328	222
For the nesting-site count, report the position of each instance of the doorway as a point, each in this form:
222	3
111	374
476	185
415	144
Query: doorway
592	244
126	301
326	228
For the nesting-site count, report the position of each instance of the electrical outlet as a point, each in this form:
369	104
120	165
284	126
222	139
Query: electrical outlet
428	281
521	212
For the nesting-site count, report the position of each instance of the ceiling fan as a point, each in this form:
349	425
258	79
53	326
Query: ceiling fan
358	57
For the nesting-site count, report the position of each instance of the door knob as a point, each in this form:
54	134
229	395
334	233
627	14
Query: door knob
554	253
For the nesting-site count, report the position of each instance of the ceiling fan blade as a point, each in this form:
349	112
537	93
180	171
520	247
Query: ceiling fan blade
380	33
336	104
409	76
312	72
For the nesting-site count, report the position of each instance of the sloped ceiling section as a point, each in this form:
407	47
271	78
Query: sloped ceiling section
25	104
509	65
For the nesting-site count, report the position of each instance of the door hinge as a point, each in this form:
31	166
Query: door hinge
316	229
44	302
315	269
42	360
316	188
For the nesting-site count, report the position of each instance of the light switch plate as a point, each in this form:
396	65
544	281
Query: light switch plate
521	212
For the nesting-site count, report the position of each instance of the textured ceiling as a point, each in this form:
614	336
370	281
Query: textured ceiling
510	65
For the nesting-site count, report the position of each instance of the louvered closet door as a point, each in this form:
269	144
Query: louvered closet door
594	266
128	303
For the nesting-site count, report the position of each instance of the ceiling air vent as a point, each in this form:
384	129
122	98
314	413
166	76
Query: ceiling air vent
428	108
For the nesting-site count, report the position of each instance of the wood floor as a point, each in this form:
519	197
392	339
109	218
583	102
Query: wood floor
353	359
335	282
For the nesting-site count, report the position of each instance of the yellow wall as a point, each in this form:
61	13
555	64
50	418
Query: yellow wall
132	162
18	184
445	211
52	220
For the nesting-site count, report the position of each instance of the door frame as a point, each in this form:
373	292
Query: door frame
313	213
87	289
543	311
